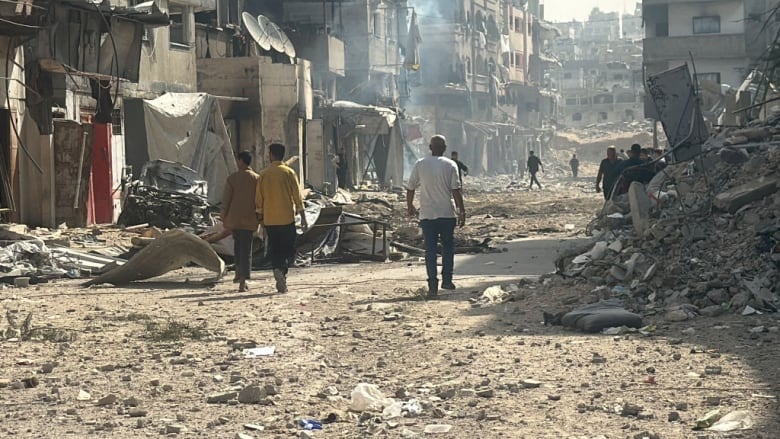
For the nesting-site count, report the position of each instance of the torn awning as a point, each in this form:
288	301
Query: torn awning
188	128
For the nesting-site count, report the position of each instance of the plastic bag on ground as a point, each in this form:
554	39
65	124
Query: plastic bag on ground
368	397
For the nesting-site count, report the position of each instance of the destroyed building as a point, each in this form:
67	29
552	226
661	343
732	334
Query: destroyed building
725	37
483	80
601	78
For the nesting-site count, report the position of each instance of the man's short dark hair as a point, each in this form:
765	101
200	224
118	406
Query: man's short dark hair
246	157
276	151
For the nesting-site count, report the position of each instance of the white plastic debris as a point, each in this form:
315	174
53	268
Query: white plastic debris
736	420
262	351
367	397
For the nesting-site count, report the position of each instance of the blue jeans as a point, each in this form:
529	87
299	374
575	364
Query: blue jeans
433	230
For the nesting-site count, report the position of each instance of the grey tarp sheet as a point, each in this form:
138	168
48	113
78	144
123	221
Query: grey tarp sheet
188	128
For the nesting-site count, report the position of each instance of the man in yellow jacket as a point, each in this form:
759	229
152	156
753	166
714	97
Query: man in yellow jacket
277	201
239	217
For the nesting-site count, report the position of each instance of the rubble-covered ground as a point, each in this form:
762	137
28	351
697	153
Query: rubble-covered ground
166	357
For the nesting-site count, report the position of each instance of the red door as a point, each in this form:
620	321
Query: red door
100	188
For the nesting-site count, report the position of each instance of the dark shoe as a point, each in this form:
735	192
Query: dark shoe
281	281
448	286
243	288
433	289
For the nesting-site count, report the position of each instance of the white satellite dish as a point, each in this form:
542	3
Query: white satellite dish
256	31
277	38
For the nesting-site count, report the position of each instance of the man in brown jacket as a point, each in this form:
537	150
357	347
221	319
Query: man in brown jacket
238	215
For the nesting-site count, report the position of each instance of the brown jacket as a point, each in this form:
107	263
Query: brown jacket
238	201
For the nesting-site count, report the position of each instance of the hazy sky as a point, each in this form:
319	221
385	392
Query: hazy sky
566	10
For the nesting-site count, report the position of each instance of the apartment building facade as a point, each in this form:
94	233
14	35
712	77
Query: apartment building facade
723	38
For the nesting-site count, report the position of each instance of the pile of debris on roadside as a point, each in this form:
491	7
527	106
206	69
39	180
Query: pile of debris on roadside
702	238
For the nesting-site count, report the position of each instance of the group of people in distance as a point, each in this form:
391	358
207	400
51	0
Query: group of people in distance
272	199
618	171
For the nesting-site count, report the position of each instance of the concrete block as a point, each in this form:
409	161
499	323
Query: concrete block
22	282
733	199
640	207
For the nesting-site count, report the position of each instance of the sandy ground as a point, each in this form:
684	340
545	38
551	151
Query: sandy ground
341	325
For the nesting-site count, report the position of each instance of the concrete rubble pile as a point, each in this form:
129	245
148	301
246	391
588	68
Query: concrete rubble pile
702	238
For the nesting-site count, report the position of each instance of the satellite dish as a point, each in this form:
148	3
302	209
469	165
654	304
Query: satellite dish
276	36
256	31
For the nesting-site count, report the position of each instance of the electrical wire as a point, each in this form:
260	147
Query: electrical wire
27	26
116	54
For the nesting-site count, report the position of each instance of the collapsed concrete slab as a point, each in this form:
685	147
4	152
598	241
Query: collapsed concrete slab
733	199
640	207
171	251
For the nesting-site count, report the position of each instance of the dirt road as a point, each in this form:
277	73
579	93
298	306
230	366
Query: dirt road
145	361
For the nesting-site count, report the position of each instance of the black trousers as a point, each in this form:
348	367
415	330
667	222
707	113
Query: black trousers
242	248
281	245
534	180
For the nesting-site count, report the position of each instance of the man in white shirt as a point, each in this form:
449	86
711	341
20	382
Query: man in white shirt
438	181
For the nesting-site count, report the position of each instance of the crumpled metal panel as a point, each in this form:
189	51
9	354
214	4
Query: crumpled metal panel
678	109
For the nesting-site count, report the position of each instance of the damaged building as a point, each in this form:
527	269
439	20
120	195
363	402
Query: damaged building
483	80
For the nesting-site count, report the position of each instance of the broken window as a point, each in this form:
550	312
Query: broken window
576	117
228	13
116	122
706	25
179	28
603	116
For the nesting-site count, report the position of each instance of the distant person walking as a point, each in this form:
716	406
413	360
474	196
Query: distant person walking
608	172
436	177
238	216
277	201
575	165
462	169
533	165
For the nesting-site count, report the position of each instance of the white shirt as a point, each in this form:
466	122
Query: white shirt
436	178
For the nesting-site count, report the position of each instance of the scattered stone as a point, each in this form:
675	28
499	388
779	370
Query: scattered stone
674	417
222	397
47	368
531	384
437	429
486	393
107	400
30	383
4	382
251	395
713	370
254	427
629	409
175	429
137	413
243	436
83	396
554	397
